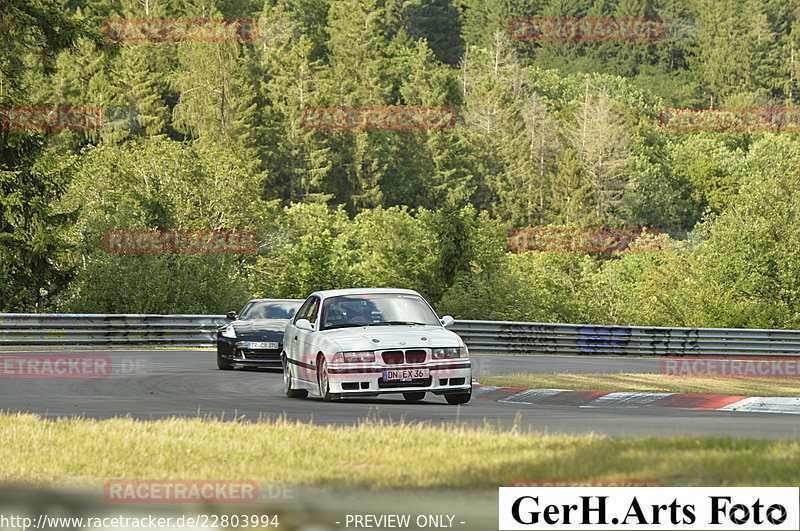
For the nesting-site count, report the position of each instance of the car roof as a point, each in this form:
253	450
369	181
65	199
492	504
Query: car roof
361	291
275	300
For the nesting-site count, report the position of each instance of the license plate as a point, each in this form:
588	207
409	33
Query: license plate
262	345
403	375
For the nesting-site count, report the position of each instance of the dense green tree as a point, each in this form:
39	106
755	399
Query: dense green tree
216	97
297	159
159	184
303	253
567	134
538	287
709	166
736	49
32	265
436	21
391	247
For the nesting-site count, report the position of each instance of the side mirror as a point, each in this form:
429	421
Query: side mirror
304	324
447	320
231	315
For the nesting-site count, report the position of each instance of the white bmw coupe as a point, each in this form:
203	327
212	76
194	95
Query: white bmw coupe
366	342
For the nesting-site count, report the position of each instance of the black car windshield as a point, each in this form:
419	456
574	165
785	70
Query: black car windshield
270	310
376	309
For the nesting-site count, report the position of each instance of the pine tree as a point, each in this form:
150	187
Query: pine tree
216	94
297	159
138	94
358	75
737	49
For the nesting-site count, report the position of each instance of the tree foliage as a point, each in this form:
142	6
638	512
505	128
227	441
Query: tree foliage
548	134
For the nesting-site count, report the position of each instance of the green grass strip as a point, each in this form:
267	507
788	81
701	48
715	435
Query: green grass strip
85	453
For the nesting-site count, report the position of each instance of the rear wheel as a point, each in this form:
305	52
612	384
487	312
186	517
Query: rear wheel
414	397
223	364
323	380
287	382
458	398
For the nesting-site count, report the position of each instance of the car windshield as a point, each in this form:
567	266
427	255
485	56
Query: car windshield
376	309
270	310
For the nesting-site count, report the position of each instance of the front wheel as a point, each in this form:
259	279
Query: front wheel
223	364
287	382
458	398
323	380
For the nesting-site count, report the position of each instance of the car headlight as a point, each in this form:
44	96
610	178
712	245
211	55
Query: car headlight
229	331
366	356
448	353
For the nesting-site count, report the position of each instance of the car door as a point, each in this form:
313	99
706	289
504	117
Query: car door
301	339
290	337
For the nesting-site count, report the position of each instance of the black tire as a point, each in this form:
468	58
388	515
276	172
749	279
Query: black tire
458	398
287	382
322	380
414	397
223	364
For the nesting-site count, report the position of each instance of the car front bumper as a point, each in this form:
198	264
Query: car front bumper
445	377
236	352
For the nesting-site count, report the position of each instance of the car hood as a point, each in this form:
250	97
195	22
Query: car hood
392	336
260	325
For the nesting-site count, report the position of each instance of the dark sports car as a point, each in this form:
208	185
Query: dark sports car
255	337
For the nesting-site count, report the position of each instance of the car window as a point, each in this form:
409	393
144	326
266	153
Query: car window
308	310
280	310
269	310
245	309
301	313
312	314
372	309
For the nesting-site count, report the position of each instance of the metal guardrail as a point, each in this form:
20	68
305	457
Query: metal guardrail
81	330
109	330
553	338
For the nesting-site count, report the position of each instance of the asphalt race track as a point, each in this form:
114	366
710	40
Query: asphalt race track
149	384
